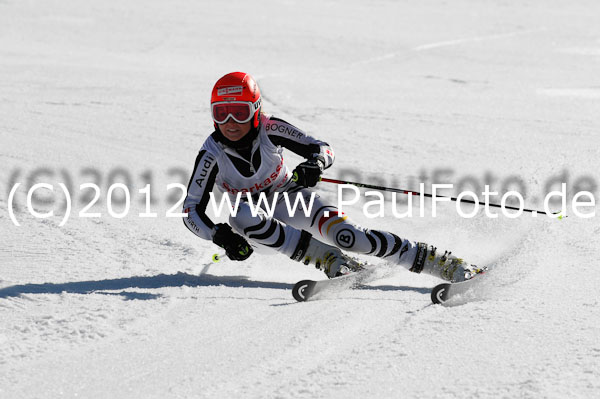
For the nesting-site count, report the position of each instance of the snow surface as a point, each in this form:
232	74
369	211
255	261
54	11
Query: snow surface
506	93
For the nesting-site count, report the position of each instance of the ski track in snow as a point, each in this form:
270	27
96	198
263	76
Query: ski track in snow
134	307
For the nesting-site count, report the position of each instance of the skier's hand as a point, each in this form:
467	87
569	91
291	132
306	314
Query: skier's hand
308	173
236	246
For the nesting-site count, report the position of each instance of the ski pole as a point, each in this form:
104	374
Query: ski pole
216	258
410	192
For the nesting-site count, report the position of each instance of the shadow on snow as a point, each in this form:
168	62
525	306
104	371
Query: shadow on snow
162	281
147	282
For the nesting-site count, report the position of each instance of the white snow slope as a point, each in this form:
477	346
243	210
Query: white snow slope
463	92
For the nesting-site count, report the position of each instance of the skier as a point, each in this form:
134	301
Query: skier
244	155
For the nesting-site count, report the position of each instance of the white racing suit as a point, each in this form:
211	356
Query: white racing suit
264	171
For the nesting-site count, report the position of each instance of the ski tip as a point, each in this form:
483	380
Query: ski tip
439	293
302	290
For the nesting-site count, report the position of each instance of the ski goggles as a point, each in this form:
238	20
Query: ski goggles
239	111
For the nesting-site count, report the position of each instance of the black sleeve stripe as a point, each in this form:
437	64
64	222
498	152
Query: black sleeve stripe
304	150
204	217
255	227
280	240
201	206
198	158
397	245
383	241
266	234
373	243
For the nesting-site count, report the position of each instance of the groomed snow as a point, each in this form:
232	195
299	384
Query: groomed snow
505	93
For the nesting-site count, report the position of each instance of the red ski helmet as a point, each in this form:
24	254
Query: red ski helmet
230	97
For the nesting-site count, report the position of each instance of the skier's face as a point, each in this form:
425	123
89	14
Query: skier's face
235	131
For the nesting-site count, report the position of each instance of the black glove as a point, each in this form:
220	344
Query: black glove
236	246
308	173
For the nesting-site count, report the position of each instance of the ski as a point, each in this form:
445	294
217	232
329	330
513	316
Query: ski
445	291
306	290
310	289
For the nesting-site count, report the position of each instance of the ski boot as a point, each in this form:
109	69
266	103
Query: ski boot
445	266
325	257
